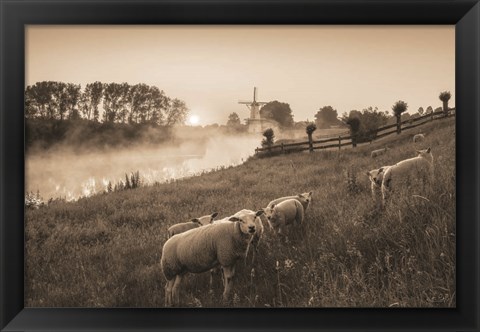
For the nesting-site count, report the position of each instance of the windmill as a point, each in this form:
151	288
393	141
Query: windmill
253	106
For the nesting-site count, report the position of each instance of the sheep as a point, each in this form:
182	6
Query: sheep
286	213
304	199
419	168
376	176
376	153
418	138
201	249
193	223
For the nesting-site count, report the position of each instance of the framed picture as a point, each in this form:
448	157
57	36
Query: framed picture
128	172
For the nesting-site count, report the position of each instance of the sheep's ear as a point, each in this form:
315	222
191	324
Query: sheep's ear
310	193
271	207
300	195
259	213
428	150
234	219
195	220
214	214
380	170
368	173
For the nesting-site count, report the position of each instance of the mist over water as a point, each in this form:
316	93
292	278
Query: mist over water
63	173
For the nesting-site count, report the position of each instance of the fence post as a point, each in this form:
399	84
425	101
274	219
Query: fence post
256	150
283	150
339	142
431	118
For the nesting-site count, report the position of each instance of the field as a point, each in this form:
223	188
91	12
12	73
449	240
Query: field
104	251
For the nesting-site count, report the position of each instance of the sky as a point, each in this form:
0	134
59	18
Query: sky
211	67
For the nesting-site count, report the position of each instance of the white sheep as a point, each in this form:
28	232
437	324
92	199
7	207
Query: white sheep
304	199
286	213
376	177
193	223
376	153
201	249
408	173
418	138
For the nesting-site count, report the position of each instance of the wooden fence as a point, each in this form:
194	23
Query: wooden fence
339	141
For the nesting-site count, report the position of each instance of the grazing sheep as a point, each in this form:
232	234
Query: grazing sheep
201	249
376	176
286	213
376	153
409	172
193	223
418	138
304	199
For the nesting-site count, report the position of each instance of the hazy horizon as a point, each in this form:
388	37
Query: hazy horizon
211	68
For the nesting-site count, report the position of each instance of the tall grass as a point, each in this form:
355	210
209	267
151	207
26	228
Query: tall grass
104	251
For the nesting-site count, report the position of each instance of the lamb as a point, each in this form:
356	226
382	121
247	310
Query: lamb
304	199
193	223
286	213
418	138
376	153
376	176
201	249
417	169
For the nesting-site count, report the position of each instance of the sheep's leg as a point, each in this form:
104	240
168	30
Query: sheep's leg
168	292
255	244
228	274
176	290
212	273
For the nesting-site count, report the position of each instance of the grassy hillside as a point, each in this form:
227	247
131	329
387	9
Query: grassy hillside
104	251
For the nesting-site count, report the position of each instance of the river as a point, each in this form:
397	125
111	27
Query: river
61	173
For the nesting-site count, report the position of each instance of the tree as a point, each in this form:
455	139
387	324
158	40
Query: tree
398	108
279	112
39	100
326	117
157	105
311	127
429	110
354	124
234	124
90	99
370	119
32	107
421	111
114	102
137	102
176	112
269	138
233	120
445	97
73	97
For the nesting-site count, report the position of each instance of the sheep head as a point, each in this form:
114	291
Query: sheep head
376	175
425	153
306	197
205	220
246	221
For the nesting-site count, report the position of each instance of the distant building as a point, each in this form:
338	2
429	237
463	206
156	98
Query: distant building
255	123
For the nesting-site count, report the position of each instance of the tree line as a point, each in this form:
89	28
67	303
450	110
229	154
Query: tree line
362	124
103	102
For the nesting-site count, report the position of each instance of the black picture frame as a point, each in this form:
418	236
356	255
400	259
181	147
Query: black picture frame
464	14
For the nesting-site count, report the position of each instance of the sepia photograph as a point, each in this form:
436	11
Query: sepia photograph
240	166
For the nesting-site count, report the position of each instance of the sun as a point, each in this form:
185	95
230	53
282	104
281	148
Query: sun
193	119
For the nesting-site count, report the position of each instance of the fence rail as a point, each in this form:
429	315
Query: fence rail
378	133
